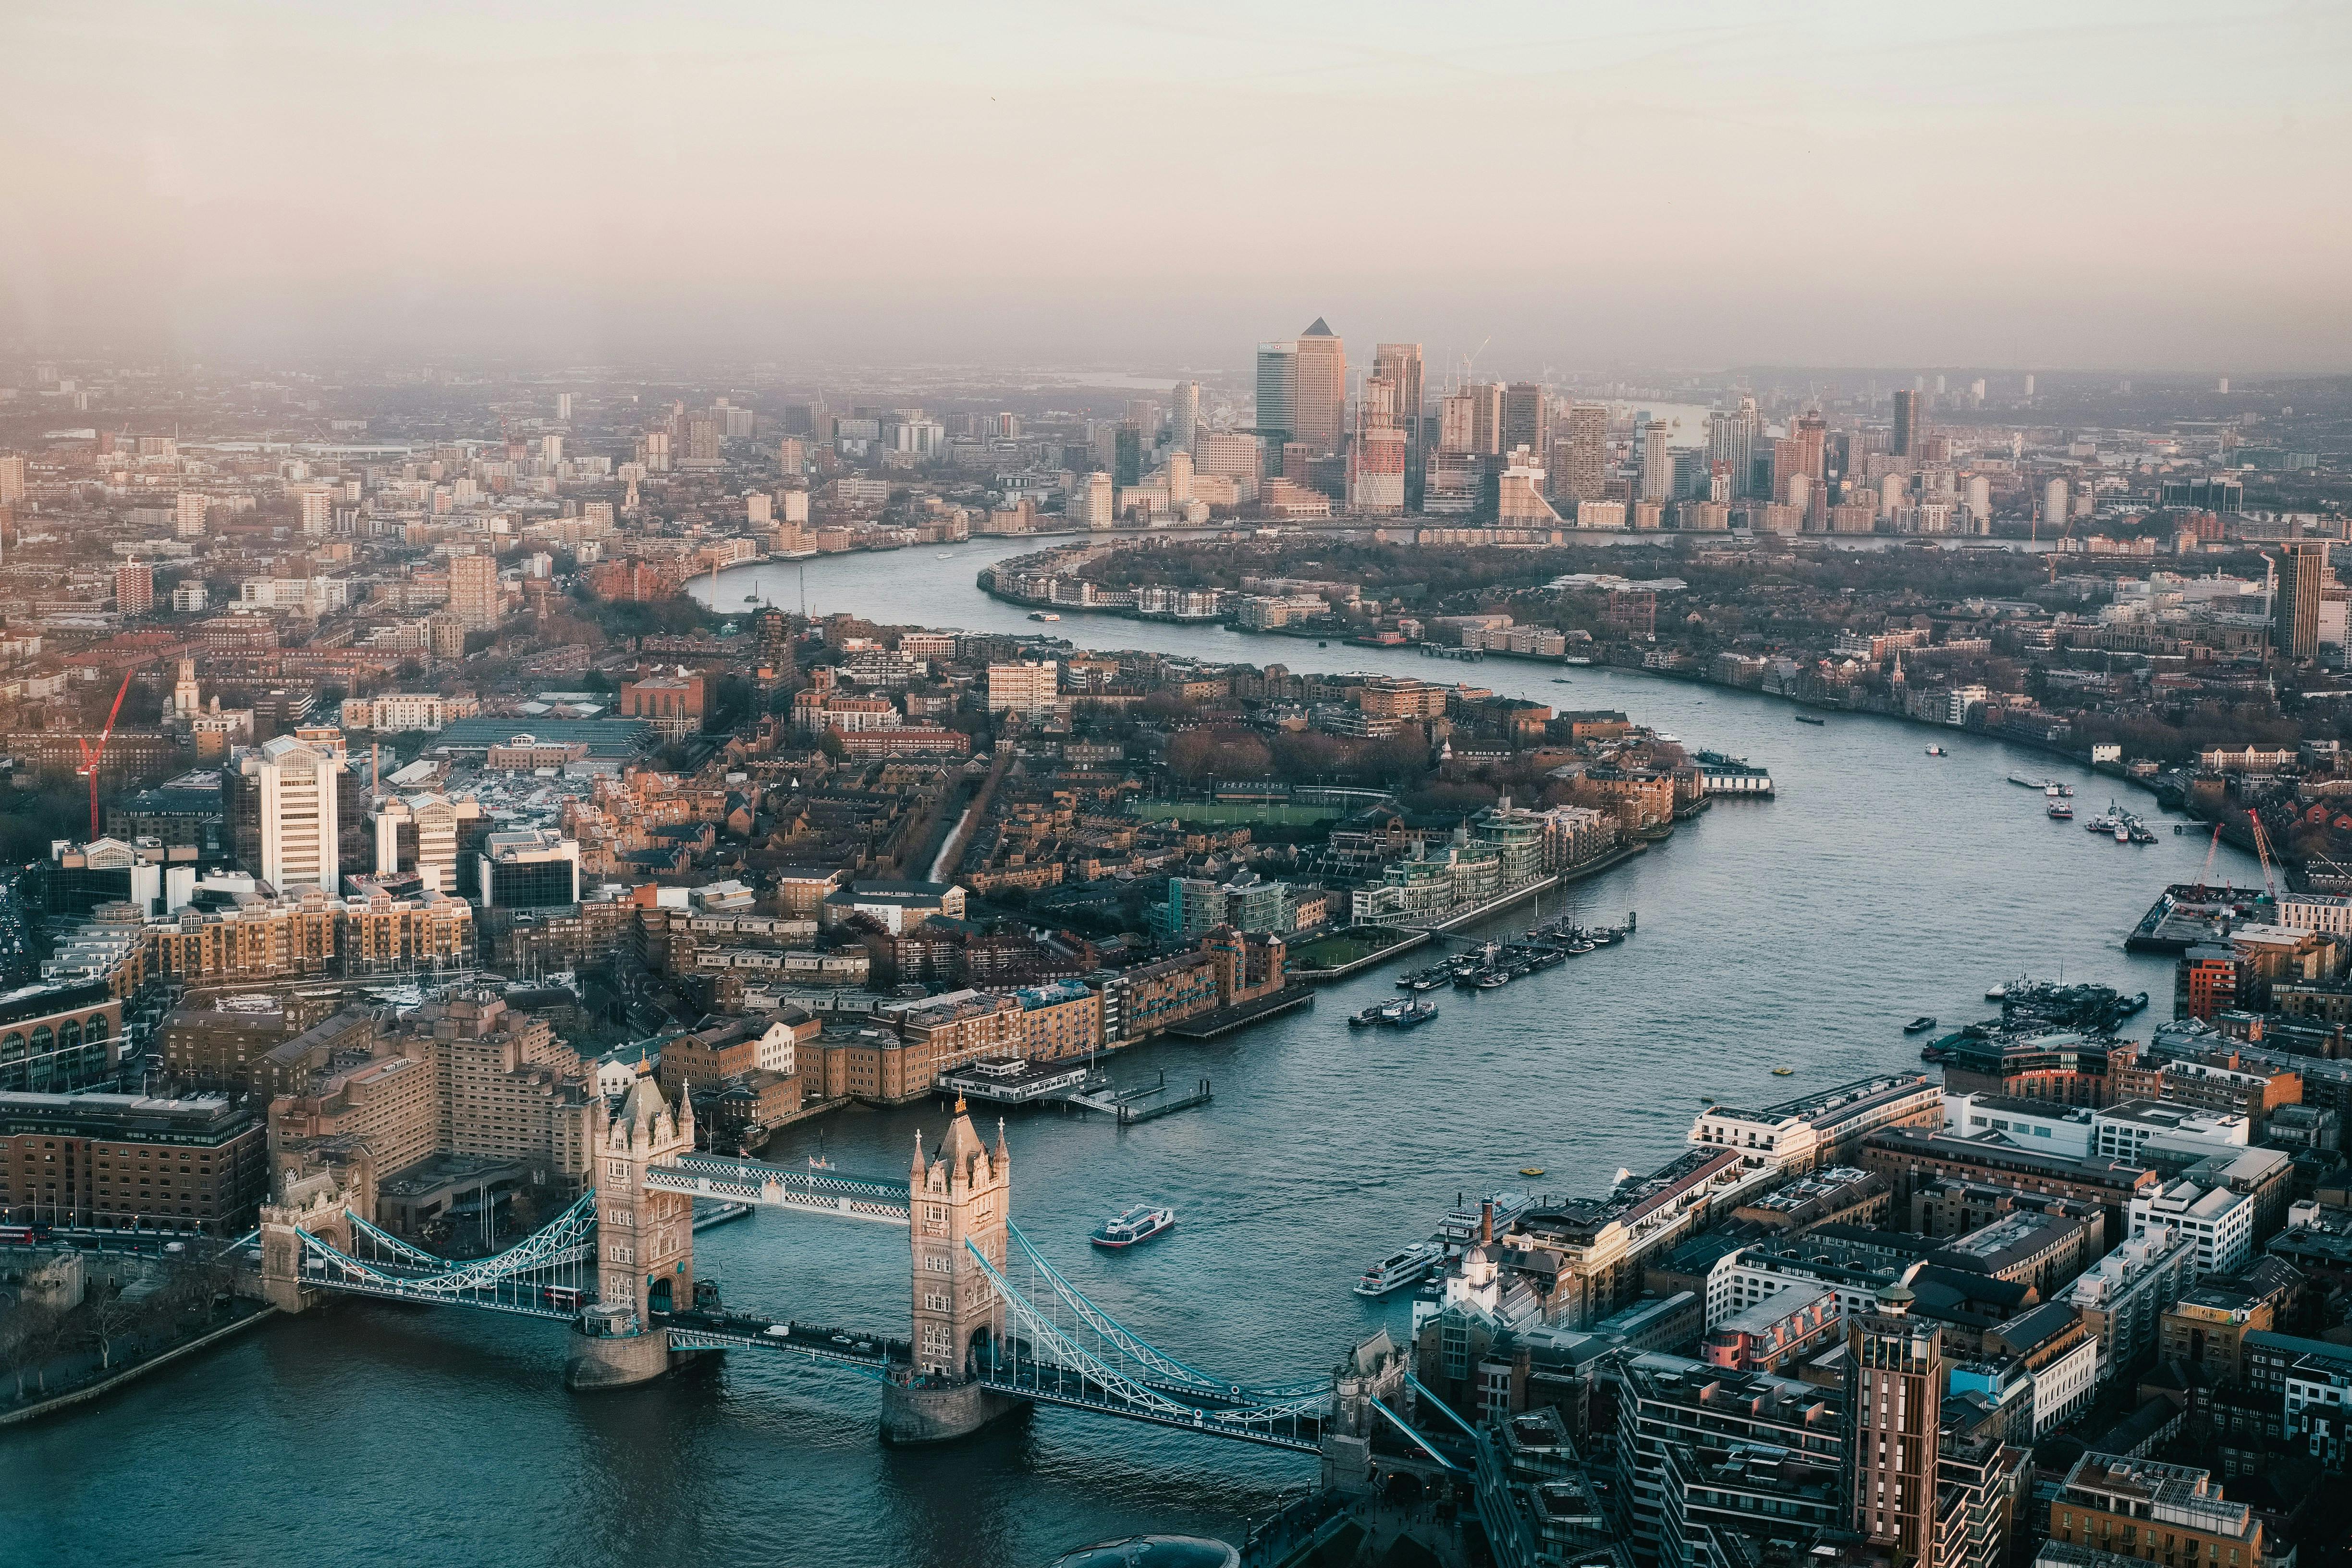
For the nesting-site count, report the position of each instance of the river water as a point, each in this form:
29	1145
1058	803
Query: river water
1802	932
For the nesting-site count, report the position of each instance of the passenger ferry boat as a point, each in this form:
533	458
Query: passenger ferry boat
1139	1224
1400	1269
2059	811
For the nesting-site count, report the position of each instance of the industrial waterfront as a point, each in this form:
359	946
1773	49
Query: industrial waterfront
1799	932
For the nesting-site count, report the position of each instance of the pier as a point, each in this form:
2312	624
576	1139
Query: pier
1225	1020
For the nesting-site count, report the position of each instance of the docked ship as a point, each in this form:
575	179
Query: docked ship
1400	1269
1132	1226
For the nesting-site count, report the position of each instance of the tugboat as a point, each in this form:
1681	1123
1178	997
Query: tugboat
1409	1018
1139	1224
1381	1013
1920	1025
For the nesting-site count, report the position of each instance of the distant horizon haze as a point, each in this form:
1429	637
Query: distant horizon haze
2084	186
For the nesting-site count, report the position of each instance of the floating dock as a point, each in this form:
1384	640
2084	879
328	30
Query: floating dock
2188	913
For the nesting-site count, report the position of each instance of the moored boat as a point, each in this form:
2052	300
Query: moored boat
1400	1269
1137	1224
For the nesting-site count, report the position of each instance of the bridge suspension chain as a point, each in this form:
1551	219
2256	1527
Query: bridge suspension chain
1178	1371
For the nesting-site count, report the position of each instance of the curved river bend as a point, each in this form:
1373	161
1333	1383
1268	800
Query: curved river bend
1802	932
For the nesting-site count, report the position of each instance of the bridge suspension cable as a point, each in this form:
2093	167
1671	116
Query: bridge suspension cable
1035	1356
548	1274
1177	1371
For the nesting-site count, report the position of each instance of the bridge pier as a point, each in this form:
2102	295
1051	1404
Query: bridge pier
608	1353
913	1415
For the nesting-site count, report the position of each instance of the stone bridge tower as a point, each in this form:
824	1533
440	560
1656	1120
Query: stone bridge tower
316	1191
644	1242
964	1196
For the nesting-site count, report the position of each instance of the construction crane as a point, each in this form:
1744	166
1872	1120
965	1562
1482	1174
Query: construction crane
2205	873
92	759
2262	850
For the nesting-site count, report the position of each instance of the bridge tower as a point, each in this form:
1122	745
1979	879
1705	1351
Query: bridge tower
964	1196
315	1193
644	1242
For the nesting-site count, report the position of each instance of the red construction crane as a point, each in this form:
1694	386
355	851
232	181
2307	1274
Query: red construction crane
92	759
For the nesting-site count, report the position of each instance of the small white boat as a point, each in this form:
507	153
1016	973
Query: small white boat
1938	751
1138	1224
1400	1269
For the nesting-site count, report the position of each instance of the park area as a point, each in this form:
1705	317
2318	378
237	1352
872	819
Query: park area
1349	947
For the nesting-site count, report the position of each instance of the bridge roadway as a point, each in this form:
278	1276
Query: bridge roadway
881	1201
701	1328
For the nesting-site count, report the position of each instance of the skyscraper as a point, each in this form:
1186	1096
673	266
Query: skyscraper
1894	1394
2294	605
1486	416
1581	471
1399	364
1657	463
1321	389
1183	415
1908	428
1376	457
1278	392
1455	433
563	406
1527	419
1730	435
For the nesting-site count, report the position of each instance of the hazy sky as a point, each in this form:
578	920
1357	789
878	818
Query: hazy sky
2149	184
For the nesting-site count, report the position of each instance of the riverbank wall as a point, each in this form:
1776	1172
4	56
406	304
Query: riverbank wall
108	1385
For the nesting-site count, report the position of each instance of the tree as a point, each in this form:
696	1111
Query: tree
1199	754
29	1336
108	1315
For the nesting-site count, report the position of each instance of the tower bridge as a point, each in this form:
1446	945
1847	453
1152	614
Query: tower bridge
994	1325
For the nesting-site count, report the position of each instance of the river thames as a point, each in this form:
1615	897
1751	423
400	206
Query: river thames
1798	932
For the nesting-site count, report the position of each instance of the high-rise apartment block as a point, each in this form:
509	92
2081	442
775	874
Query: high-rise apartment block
1657	463
2294	608
474	592
1580	465
12	478
1894	1394
134	587
1028	688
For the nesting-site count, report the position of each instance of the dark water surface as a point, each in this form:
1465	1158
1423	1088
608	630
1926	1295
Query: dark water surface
1801	933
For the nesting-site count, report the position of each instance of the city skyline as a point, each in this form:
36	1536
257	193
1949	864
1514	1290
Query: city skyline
611	189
